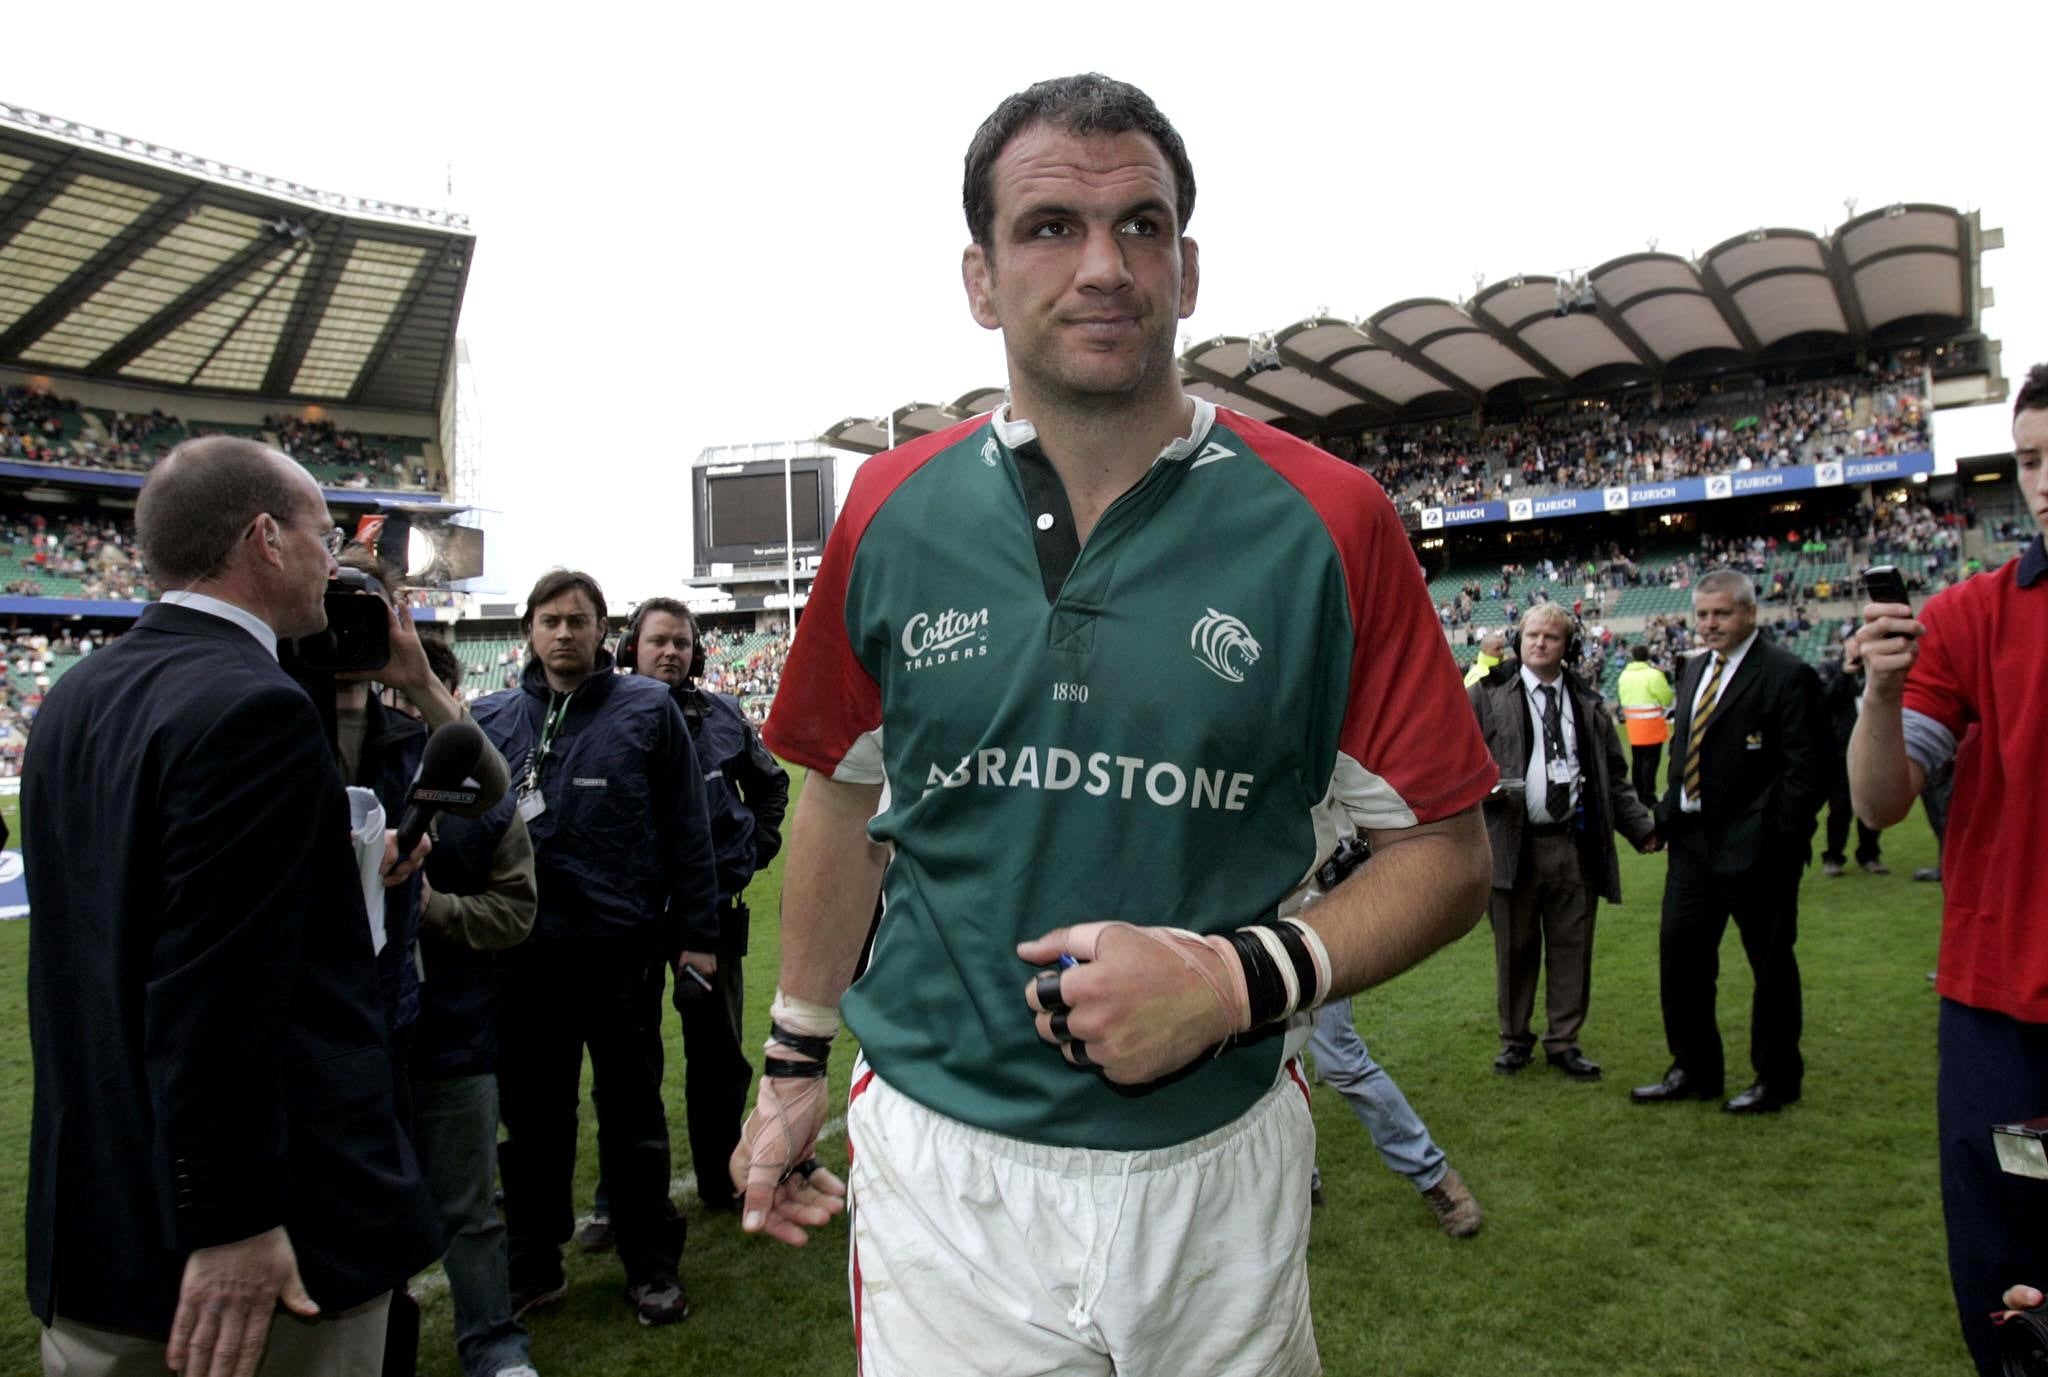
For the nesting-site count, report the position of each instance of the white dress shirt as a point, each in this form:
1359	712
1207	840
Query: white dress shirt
1686	802
1537	776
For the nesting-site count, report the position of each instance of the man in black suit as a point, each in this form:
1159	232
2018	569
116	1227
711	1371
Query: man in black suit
1746	784
213	1126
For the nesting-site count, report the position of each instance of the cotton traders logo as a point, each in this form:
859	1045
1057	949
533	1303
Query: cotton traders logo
929	640
1224	645
988	451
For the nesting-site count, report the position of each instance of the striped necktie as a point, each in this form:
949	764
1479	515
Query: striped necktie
1557	798
1700	717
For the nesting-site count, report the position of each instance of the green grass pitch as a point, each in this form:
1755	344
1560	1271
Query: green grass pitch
1619	1239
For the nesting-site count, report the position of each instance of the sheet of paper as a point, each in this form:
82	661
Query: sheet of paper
366	829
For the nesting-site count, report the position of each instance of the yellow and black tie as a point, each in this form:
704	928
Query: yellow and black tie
1700	717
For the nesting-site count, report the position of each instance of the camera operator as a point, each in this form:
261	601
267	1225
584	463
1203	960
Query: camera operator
478	898
1961	682
379	749
611	791
214	1132
745	795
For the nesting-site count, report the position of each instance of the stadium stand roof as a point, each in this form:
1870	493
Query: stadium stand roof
867	435
125	261
1903	274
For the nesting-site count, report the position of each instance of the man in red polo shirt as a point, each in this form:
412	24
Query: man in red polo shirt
1965	682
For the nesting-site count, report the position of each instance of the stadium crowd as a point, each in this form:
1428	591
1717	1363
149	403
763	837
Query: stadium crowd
92	556
44	428
1695	430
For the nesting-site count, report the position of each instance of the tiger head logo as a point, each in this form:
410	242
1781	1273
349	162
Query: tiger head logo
1224	646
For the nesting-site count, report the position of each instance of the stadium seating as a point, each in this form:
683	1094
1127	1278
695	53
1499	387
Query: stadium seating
1592	444
48	429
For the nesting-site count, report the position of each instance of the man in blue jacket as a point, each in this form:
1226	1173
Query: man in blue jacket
746	794
611	793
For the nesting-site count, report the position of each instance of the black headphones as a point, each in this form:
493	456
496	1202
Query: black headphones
627	656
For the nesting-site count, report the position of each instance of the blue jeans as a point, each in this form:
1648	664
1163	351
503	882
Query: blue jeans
1344	1064
456	1121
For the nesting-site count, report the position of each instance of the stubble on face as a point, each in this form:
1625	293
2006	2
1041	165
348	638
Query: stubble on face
1087	275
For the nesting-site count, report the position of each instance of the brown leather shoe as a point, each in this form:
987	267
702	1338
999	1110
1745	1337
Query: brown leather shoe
1450	1199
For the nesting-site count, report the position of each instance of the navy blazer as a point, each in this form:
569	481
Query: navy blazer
208	1042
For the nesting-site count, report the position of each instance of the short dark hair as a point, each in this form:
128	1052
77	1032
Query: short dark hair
1085	105
2033	392
1639	652
200	498
556	582
675	607
368	561
442	659
628	653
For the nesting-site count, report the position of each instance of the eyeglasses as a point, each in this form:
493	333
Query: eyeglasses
333	538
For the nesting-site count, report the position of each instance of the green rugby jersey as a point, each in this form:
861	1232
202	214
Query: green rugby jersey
1241	666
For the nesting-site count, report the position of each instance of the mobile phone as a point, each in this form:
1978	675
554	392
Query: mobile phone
1884	583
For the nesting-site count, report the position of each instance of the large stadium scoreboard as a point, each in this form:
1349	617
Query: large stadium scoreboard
757	505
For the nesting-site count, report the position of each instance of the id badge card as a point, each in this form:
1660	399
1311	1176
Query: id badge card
531	804
1560	771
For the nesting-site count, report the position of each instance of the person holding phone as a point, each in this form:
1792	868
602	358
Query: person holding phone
1963	681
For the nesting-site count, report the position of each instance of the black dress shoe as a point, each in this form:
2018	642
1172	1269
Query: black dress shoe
1510	1060
1575	1064
1761	1098
1676	1085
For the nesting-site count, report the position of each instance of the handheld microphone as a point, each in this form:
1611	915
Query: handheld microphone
447	780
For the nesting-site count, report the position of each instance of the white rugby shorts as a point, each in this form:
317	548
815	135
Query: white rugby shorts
978	1254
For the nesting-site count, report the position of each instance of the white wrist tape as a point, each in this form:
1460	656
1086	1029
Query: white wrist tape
802	1016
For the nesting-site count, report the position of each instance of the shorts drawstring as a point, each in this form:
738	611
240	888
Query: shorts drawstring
1079	1314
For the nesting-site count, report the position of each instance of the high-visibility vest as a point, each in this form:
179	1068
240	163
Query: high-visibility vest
1645	693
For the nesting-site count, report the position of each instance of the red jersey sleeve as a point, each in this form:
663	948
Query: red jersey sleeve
1409	750
1938	686
827	713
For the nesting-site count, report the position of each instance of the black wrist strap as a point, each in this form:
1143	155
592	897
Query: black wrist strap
819	1048
783	1069
1296	947
1262	979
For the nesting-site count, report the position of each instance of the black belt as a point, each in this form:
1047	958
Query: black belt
1547	829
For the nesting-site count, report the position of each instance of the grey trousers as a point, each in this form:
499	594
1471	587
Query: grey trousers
348	1344
1546	922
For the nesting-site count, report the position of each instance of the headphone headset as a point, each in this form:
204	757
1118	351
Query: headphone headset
627	656
1574	636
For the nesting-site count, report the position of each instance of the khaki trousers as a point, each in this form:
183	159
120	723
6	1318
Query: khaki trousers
1545	922
348	1344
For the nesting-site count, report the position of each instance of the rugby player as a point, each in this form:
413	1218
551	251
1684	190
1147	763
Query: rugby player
1099	680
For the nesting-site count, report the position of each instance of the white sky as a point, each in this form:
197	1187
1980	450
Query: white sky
719	224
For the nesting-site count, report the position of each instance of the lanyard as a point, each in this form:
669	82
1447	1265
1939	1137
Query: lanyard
557	714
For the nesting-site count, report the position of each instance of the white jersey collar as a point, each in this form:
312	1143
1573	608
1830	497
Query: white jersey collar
1016	434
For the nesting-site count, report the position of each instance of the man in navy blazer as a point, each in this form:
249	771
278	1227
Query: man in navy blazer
213	1126
1747	781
